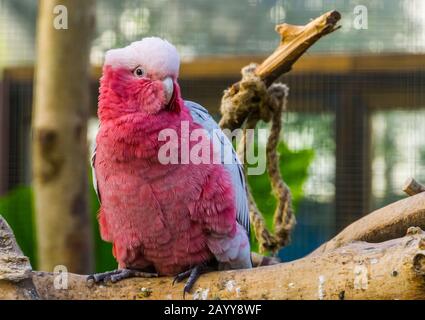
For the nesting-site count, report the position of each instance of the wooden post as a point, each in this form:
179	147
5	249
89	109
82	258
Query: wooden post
60	159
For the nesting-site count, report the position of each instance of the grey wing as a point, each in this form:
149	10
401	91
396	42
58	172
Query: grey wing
201	116
93	172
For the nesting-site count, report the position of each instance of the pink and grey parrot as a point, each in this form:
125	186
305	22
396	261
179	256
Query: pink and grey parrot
165	219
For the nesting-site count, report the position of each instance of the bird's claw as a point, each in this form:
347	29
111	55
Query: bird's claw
192	275
181	276
118	275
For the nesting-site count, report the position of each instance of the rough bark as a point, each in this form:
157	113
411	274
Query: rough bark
295	40
61	105
412	187
383	224
390	270
15	268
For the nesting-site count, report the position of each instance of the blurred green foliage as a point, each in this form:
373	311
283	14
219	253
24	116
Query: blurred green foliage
103	250
294	169
18	209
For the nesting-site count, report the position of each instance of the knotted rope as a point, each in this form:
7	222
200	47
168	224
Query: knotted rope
247	103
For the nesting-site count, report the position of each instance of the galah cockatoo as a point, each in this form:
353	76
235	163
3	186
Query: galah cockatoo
167	219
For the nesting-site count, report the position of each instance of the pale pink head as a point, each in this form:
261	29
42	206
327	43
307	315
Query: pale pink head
140	78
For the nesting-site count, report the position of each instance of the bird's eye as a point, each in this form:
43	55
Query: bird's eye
138	72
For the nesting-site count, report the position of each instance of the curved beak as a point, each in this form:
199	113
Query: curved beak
168	88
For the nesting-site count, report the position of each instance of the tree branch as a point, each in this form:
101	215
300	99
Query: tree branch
383	224
295	40
357	271
390	270
412	187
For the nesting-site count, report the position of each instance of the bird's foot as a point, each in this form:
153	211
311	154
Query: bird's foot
192	275
118	275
